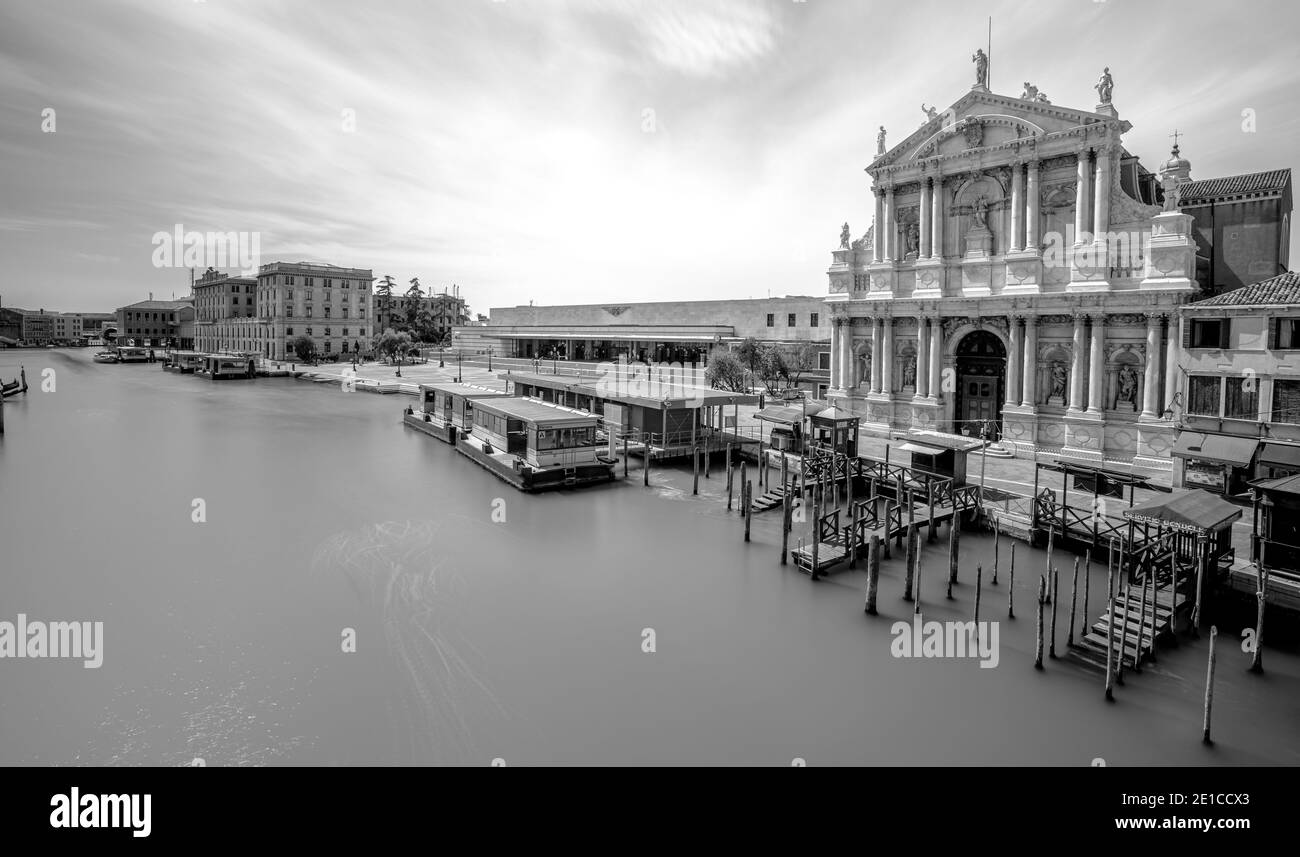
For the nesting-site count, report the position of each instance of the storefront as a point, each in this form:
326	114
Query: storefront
1220	463
1278	459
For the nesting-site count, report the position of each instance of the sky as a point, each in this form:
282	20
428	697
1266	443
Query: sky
557	152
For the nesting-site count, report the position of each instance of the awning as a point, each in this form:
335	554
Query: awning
1192	511
1280	455
921	448
1216	447
780	414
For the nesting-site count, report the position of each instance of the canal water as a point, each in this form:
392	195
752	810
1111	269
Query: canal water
490	625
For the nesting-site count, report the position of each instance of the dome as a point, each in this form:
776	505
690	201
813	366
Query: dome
1176	163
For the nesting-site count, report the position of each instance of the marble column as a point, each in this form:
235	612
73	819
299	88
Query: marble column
1081	198
848	368
923	248
1101	196
835	354
887	363
936	358
1029	378
1017	208
1031	218
936	218
922	357
1015	362
1097	369
890	226
877	353
1172	345
878	233
1077	365
1151	378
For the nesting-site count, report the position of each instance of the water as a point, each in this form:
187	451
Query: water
479	640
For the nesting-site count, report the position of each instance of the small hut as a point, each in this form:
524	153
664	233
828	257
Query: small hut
834	429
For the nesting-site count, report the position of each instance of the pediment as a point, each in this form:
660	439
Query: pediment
985	120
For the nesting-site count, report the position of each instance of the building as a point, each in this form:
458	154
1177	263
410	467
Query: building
331	305
434	316
225	313
67	328
1242	226
11	325
1239	405
32	327
156	324
1022	276
659	332
93	323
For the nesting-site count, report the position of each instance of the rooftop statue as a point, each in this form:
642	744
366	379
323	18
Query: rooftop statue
981	61
930	112
1030	93
1105	86
880	141
844	237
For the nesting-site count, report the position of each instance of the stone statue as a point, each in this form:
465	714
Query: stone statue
865	358
844	237
1105	86
1041	98
930	112
981	67
1059	378
1030	93
1128	385
909	370
880	141
981	213
913	239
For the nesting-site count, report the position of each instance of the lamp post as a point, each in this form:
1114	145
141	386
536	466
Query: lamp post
489	358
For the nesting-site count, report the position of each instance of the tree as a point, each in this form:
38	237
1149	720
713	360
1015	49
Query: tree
772	369
305	348
385	287
750	354
392	344
726	372
804	358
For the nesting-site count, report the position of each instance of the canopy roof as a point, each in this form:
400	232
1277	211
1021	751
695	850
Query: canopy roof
780	414
1195	511
834	415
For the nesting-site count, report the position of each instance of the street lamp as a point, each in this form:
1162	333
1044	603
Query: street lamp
489	358
458	367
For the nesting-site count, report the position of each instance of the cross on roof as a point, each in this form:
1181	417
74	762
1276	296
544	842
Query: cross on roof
1175	136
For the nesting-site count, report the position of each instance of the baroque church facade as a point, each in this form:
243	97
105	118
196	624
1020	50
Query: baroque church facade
1022	277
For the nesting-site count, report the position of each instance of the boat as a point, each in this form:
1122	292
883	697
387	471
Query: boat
105	357
219	367
132	354
13	388
447	409
535	445
184	362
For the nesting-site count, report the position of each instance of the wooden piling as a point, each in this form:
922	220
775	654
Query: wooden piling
873	573
695	459
997	545
1074	592
1123	636
744	477
1200	573
1173	591
933	533
1056	579
787	504
817	514
1011	585
916	583
1142	623
954	539
749	507
853	534
1042	589
1151	648
910	559
1051	539
729	477
1209	689
1257	657
1110	624
889	553
625	455
1087	578
979	586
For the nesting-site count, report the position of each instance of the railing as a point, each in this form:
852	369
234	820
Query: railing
1279	556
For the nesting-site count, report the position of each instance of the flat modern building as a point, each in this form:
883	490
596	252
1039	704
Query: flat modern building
1023	273
1239	405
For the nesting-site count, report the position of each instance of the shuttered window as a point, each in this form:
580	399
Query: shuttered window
1203	395
1286	401
1241	399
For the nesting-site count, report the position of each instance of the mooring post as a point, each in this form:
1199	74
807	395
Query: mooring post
1142	624
853	534
1123	635
910	560
729	477
1087	579
1173	593
695	458
1209	689
933	534
1151	648
749	507
1051	538
1200	573
916	556
889	554
1038	657
646	446
1055	581
787	504
997	548
873	573
1110	623
1011	585
1257	657
979	586
744	478
816	536
954	538
1074	592
911	507
624	455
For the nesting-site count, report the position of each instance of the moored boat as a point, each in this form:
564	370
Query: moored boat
105	357
535	445
446	410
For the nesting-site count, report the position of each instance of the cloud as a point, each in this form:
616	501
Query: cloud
704	38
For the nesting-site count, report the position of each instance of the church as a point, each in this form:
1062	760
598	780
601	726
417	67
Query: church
1022	279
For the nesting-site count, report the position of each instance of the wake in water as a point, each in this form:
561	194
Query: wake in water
401	568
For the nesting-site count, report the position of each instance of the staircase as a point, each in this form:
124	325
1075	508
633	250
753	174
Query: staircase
1133	630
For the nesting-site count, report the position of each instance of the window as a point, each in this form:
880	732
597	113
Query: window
327	331
1285	333
309	331
1203	395
309	312
309	281
345	331
1209	333
771	319
823	360
812	320
329	283
1286	400
327	312
1241	400
789	320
